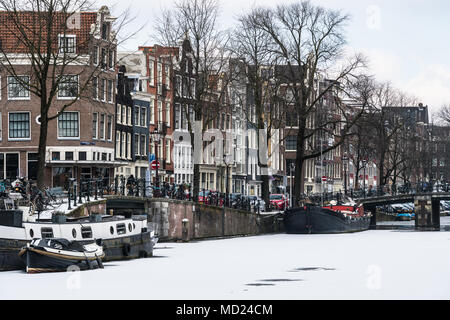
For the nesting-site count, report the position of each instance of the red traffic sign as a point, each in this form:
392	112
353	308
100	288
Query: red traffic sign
324	179
153	165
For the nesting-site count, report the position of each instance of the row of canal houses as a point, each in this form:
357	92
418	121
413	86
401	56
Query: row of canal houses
109	132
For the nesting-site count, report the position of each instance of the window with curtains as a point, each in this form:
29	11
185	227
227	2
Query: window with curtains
124	115
19	125
168	114
168	150
17	88
68	87
118	144
129	145
94	126
68	125
129	116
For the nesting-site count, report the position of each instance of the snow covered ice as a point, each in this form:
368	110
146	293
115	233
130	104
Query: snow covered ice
368	265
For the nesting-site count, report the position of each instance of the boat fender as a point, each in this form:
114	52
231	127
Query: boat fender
126	249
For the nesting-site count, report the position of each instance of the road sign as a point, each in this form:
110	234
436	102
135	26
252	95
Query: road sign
153	165
324	179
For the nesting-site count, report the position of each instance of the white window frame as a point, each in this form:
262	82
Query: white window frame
96	127
79	128
29	121
119	113
137	147
78	88
168	114
67	36
151	73
17	98
129	156
129	116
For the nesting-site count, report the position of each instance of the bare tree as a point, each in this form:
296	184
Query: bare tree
197	20
307	41
38	32
444	114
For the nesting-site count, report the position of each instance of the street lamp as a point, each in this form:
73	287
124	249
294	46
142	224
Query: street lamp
345	163
292	167
156	137
364	164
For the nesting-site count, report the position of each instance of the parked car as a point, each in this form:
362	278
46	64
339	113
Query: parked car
279	202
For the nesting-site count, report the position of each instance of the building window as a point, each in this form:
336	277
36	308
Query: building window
95	88
167	73
177	116
102	126
124	115
143	145
32	168
103	57
136	144
152	111
68	126
136	115
56	156
129	116
178	86
291	143
160	111
19	125
129	145
143	117
151	73
17	88
124	145
111	59
109	132
168	114
69	156
67	44
94	125
119	113
168	150
117	144
68	87
82	156
103	90
110	91
192	91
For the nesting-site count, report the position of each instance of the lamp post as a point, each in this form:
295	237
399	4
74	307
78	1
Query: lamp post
345	163
292	167
156	137
364	185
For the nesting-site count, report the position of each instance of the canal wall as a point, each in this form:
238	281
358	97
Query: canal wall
175	220
178	220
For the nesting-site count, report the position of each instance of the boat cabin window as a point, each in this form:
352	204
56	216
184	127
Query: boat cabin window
86	232
46	233
121	229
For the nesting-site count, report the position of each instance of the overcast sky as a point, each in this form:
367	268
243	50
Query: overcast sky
407	41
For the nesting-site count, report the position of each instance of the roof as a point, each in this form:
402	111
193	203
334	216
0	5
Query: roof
31	23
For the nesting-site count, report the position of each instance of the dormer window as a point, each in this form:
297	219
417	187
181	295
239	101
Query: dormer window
67	43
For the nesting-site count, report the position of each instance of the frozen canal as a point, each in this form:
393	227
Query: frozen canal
368	265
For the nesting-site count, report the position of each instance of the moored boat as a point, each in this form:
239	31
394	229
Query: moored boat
60	255
324	220
122	238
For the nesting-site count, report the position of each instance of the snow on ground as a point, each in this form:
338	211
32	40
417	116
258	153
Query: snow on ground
368	265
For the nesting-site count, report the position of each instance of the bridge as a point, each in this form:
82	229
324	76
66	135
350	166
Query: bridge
427	207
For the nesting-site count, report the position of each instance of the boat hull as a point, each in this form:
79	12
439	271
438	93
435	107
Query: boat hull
124	248
37	261
317	220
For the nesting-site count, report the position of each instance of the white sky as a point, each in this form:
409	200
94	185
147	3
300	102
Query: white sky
406	41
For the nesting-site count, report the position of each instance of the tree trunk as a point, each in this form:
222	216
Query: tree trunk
42	151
